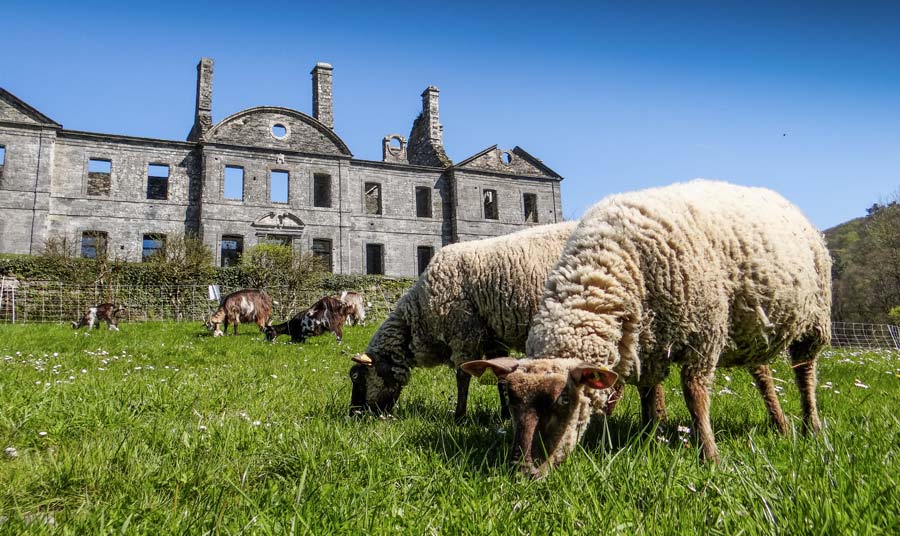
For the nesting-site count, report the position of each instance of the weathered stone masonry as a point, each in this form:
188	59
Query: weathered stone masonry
226	183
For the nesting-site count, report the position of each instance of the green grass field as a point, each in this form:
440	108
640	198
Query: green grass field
159	429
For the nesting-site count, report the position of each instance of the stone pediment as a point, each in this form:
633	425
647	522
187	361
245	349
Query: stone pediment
515	161
16	110
280	221
276	128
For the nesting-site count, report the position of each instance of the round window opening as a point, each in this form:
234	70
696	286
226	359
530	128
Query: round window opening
506	158
396	143
279	130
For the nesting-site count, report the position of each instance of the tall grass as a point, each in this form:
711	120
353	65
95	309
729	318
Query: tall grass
159	429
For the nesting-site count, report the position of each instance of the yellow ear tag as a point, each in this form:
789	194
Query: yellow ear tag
488	377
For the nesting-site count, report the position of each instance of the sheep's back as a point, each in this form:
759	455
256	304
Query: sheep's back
493	285
696	263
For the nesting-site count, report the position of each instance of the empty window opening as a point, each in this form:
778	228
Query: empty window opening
93	244
157	181
490	205
395	143
232	249
424	254
373	198
234	183
99	173
153	244
321	248
506	158
374	259
280	240
530	202
278	186
2	155
423	202
279	131
321	190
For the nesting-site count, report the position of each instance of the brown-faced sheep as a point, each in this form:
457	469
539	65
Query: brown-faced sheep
703	275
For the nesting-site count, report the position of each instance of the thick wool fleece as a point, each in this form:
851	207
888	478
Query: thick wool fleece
702	273
474	298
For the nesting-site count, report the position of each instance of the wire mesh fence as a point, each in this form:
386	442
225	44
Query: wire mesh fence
49	302
54	302
856	335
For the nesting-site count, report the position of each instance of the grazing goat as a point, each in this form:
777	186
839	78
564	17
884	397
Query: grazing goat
358	306
327	314
107	312
247	305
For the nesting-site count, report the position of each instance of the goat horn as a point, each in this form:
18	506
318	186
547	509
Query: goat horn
363	359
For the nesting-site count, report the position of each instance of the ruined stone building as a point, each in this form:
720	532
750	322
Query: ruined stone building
262	174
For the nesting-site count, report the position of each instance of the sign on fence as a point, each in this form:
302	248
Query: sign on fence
8	286
214	294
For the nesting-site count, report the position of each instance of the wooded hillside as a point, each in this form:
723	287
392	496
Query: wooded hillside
866	253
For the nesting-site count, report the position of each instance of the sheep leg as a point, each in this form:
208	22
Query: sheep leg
762	376
504	401
696	395
653	405
462	393
803	358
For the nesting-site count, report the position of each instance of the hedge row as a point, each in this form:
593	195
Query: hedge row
80	271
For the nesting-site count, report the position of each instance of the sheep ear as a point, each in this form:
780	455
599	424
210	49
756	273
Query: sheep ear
500	366
362	359
595	377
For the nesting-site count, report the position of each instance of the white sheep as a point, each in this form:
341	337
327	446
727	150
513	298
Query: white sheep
475	299
702	274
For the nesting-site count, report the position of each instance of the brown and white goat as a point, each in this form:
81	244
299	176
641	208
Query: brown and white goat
247	305
107	312
357	307
327	314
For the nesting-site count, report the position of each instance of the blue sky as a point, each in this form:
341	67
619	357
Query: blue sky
802	98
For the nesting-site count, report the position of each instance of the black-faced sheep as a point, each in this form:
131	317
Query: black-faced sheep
327	314
247	305
107	312
702	274
475	299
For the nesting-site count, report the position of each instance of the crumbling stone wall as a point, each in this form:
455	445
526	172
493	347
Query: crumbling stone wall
47	187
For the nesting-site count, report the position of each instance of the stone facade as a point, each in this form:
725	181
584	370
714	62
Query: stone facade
263	174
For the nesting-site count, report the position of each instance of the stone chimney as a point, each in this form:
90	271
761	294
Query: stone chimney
432	115
426	139
323	100
203	110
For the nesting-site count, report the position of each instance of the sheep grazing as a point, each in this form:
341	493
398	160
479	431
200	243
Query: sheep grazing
702	274
475	299
358	305
327	314
106	312
247	305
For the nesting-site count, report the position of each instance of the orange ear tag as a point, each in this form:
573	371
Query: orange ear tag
593	379
488	377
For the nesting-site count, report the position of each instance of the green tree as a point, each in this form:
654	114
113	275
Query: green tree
866	273
274	265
